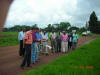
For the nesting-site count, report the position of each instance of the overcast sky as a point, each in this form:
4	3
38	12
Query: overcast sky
44	12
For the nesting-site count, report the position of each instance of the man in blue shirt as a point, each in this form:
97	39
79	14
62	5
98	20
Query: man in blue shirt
38	37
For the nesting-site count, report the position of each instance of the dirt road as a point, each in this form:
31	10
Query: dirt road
10	60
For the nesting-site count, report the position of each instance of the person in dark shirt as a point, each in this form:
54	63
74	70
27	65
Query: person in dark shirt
70	39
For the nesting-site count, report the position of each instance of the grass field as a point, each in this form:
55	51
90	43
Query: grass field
83	61
9	39
9	33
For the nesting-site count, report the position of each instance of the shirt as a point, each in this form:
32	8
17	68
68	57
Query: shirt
38	36
28	37
75	37
34	37
64	38
58	37
44	37
70	39
53	35
21	35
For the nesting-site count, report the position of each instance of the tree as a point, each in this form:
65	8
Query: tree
93	23
64	26
73	28
35	26
98	28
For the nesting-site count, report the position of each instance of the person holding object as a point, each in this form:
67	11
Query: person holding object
44	43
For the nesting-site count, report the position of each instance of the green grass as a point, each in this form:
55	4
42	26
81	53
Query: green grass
90	34
87	55
9	41
9	33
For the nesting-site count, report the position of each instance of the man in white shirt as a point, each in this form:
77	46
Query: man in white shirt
21	38
44	43
53	41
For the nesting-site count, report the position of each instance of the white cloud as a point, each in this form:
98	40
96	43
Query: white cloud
43	12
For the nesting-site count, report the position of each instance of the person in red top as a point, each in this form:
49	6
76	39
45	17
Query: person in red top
27	41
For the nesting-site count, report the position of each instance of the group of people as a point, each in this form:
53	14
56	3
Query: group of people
62	42
34	42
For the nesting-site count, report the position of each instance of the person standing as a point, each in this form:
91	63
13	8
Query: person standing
70	39
75	41
34	46
27	42
44	43
53	41
21	38
58	38
64	39
38	40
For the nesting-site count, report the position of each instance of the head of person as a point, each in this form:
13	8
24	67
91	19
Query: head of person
33	29
64	32
75	32
23	29
37	30
44	32
59	32
70	35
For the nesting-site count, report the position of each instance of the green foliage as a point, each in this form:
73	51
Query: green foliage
63	26
98	27
18	28
87	55
93	23
73	28
83	29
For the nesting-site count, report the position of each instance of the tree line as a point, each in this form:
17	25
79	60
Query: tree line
93	26
62	26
